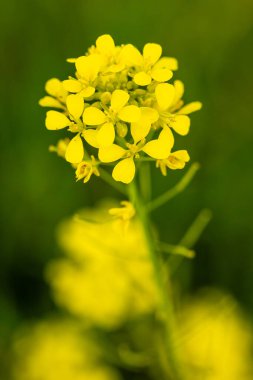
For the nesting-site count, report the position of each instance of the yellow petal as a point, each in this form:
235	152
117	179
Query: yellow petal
130	114
119	99
115	68
74	153
167	138
189	108
111	153
161	147
106	135
90	135
81	66
161	75
72	85
142	78
141	129
131	56
152	52
153	149
167	63
177	160
75	105
71	60
165	94
93	116
56	120
53	86
48	101
179	90
150	114
87	92
105	44
180	124
182	155
88	67
124	171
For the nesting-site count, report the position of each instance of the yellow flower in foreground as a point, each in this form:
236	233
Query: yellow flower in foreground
124	170
104	281
149	65
87	69
215	339
117	111
168	98
118	101
113	56
57	94
59	350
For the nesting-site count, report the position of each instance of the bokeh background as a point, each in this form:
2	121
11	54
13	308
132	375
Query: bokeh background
212	40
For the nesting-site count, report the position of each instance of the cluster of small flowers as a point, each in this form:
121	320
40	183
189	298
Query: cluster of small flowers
98	279
121	107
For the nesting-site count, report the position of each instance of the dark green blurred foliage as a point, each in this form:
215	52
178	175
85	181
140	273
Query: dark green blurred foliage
213	42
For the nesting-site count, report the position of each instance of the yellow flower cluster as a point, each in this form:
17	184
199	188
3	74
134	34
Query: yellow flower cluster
59	350
216	340
120	106
104	281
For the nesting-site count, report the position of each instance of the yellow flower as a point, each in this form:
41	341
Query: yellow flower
71	118
85	169
141	128
54	350
103	281
168	99
175	160
126	212
123	214
60	147
87	69
215	339
112	55
148	66
57	92
124	170
106	120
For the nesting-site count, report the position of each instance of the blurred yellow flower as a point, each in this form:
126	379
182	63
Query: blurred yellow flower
123	214
60	148
216	341
54	350
107	277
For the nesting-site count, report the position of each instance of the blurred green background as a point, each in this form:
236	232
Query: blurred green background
212	40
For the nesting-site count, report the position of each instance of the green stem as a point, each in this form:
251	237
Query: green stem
176	250
191	236
166	312
178	188
145	181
